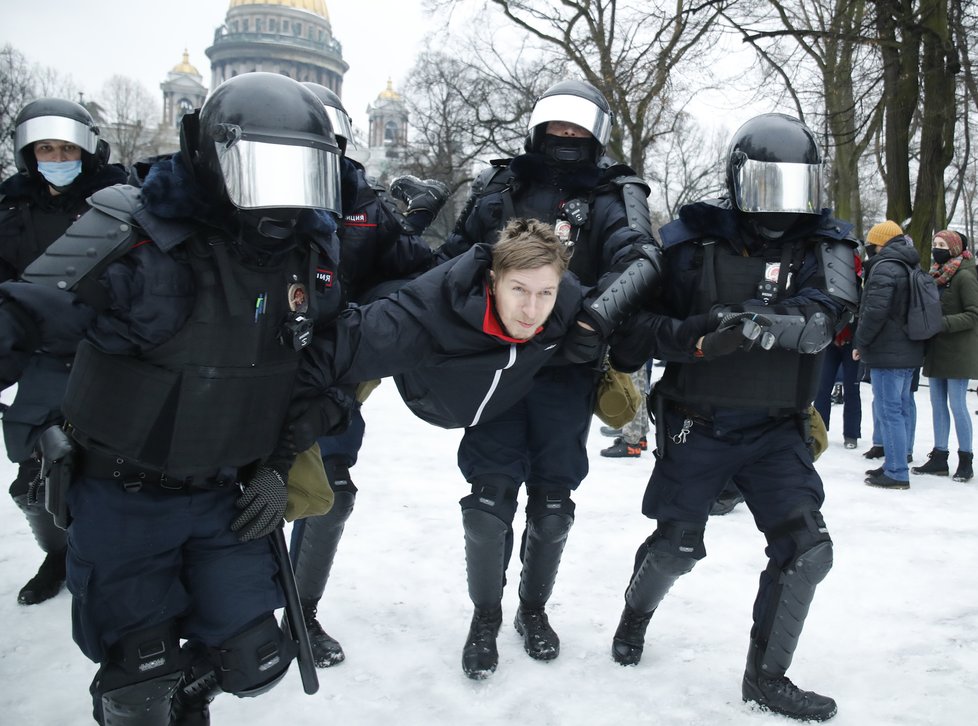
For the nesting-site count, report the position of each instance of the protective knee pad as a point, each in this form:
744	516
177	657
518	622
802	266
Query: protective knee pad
781	610
671	552
135	685
318	542
253	661
486	538
543	546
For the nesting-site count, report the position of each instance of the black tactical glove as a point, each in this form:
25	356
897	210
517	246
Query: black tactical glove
263	502
733	334
419	194
327	415
633	343
581	345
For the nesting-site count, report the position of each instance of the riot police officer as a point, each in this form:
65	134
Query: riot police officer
61	160
773	274
196	295
378	244
599	210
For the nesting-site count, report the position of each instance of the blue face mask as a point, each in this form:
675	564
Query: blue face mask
60	173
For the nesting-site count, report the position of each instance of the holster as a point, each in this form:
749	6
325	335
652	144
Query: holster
57	469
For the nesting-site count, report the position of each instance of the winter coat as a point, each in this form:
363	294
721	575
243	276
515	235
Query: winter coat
953	353
437	335
881	336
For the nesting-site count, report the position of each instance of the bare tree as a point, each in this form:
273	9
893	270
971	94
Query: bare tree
133	119
21	82
690	167
818	51
632	52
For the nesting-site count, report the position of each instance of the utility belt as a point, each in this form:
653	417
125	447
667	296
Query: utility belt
134	477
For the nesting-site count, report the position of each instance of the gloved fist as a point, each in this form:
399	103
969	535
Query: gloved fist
581	344
327	415
427	194
737	332
263	503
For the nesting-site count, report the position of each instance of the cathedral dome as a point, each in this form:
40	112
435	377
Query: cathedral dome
318	7
185	66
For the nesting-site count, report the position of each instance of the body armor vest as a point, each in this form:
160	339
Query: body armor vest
782	381
213	396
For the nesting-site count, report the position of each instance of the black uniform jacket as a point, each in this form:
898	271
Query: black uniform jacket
439	337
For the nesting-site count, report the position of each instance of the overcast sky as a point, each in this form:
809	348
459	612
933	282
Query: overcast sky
96	39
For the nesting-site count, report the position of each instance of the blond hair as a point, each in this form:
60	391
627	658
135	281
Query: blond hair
528	244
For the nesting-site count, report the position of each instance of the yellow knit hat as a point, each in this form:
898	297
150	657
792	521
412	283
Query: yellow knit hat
882	233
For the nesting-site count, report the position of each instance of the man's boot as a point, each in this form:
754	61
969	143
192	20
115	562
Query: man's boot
543	546
629	640
936	464
486	537
775	638
52	540
314	544
479	654
964	471
663	558
191	702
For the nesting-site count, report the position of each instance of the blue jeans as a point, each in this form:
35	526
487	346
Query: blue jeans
892	405
944	392
838	360
878	436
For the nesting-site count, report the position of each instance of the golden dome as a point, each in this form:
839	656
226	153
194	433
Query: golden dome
389	93
184	65
317	7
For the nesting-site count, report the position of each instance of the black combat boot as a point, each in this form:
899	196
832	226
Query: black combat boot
326	651
936	464
780	695
47	582
964	472
539	639
479	654
629	640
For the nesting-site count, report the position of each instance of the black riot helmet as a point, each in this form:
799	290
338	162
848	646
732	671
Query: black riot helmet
576	102
338	117
56	118
774	172
263	142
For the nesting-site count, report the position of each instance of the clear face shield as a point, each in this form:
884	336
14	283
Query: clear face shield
57	128
263	175
768	186
576	110
342	126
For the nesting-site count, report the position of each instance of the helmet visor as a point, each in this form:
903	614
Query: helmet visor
576	110
57	128
771	186
259	175
341	125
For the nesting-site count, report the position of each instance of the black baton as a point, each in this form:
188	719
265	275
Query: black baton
293	613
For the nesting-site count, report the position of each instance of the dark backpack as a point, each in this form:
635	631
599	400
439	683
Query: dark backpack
924	316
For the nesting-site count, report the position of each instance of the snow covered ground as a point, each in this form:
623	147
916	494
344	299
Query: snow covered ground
892	634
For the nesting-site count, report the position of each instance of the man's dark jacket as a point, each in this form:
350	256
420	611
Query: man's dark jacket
881	336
